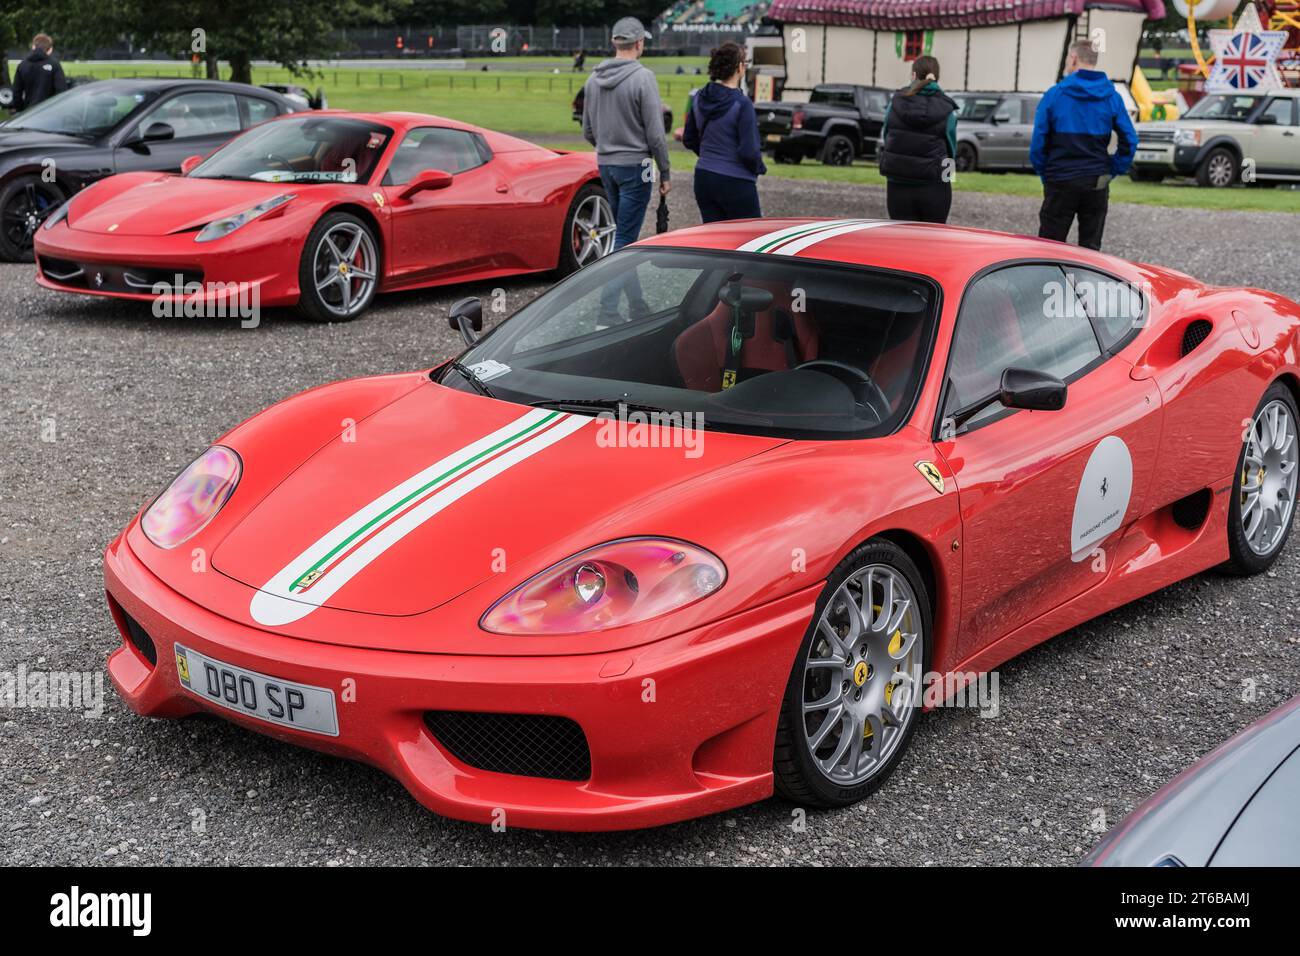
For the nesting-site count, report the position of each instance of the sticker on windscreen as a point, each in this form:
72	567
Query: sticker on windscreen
490	369
1103	496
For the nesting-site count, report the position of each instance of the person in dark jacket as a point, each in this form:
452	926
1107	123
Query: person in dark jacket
919	147
39	76
1070	150
722	129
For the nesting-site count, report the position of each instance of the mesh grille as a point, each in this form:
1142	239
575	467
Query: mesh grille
140	639
527	745
1196	333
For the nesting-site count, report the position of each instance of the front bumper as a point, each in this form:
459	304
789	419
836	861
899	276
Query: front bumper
235	270
1168	157
676	729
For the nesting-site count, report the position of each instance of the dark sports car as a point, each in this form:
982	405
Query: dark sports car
58	147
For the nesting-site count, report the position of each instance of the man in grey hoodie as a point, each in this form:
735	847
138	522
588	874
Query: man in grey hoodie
622	117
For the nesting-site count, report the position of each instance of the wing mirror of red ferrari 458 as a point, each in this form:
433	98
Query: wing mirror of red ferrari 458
1027	388
426	179
466	317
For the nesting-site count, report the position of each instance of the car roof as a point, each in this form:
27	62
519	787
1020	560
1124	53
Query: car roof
949	254
163	84
397	119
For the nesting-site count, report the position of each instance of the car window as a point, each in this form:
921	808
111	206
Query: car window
301	148
832	97
1223	106
196	114
976	108
1018	317
756	343
258	110
1028	108
1283	111
90	110
433	147
1008	111
1116	307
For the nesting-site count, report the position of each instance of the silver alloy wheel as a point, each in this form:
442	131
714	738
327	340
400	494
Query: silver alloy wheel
862	676
1221	170
1268	477
344	267
593	230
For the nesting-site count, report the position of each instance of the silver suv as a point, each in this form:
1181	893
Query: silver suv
1225	138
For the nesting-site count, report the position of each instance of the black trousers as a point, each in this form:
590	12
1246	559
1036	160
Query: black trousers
1062	201
725	197
918	202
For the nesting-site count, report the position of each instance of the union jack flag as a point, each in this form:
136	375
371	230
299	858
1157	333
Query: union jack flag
1245	61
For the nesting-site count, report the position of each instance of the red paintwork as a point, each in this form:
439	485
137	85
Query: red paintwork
503	218
995	542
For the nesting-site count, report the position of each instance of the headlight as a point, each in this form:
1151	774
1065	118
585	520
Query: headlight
224	227
193	498
1187	137
59	214
622	582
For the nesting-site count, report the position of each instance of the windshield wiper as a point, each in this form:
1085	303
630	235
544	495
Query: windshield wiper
469	375
610	404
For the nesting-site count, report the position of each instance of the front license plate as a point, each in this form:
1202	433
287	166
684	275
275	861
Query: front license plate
1149	156
276	701
774	137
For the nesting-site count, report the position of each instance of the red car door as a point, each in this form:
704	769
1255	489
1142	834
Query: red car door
1042	493
440	233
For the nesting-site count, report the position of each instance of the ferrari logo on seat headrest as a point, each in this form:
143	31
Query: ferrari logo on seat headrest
931	474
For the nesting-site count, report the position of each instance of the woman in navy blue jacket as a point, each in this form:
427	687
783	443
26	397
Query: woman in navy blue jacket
722	129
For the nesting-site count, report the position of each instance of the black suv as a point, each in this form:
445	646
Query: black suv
840	123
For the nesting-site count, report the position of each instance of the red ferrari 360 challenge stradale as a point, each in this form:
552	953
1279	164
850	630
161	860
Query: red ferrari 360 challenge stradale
322	210
705	519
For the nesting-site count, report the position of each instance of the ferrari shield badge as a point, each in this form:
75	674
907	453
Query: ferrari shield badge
379	199
931	474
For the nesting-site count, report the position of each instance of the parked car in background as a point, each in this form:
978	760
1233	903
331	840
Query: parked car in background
57	148
301	97
994	130
1234	807
580	101
840	122
1221	137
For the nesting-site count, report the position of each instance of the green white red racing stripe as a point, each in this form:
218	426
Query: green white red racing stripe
795	239
310	579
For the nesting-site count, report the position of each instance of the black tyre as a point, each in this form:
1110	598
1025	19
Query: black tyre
588	230
1145	175
25	202
855	691
838	150
967	159
339	270
1219	169
1262	511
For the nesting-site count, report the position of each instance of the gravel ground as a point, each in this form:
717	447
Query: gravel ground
1091	723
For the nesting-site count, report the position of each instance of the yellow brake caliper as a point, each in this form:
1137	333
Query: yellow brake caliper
895	645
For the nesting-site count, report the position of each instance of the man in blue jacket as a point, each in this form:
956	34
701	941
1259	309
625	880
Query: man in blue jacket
1071	148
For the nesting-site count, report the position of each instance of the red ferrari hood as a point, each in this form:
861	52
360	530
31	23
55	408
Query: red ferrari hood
169	204
434	492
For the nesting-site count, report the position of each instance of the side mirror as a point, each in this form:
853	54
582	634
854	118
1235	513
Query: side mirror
466	317
998	118
1037	391
157	132
426	179
189	163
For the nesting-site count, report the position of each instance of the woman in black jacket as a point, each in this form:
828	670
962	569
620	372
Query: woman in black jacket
722	129
919	147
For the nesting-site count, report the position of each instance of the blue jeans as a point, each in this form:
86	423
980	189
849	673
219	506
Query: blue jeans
629	196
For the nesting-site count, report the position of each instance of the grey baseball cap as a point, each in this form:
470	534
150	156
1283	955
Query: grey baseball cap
628	30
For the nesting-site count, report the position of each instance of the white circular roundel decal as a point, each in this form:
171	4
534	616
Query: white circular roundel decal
1103	495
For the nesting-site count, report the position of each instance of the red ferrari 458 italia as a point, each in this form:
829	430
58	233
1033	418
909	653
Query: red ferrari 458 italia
323	210
713	517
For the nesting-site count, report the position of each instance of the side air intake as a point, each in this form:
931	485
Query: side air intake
1197	331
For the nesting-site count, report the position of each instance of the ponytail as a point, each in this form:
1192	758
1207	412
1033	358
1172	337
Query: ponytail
925	70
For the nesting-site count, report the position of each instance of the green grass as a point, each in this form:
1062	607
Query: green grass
525	102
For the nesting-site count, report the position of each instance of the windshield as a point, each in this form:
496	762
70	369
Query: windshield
301	149
1224	107
976	108
832	97
749	343
91	110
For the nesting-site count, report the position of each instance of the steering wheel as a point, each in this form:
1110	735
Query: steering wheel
867	392
277	158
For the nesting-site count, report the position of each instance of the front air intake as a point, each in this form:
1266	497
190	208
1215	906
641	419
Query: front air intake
527	745
1197	331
